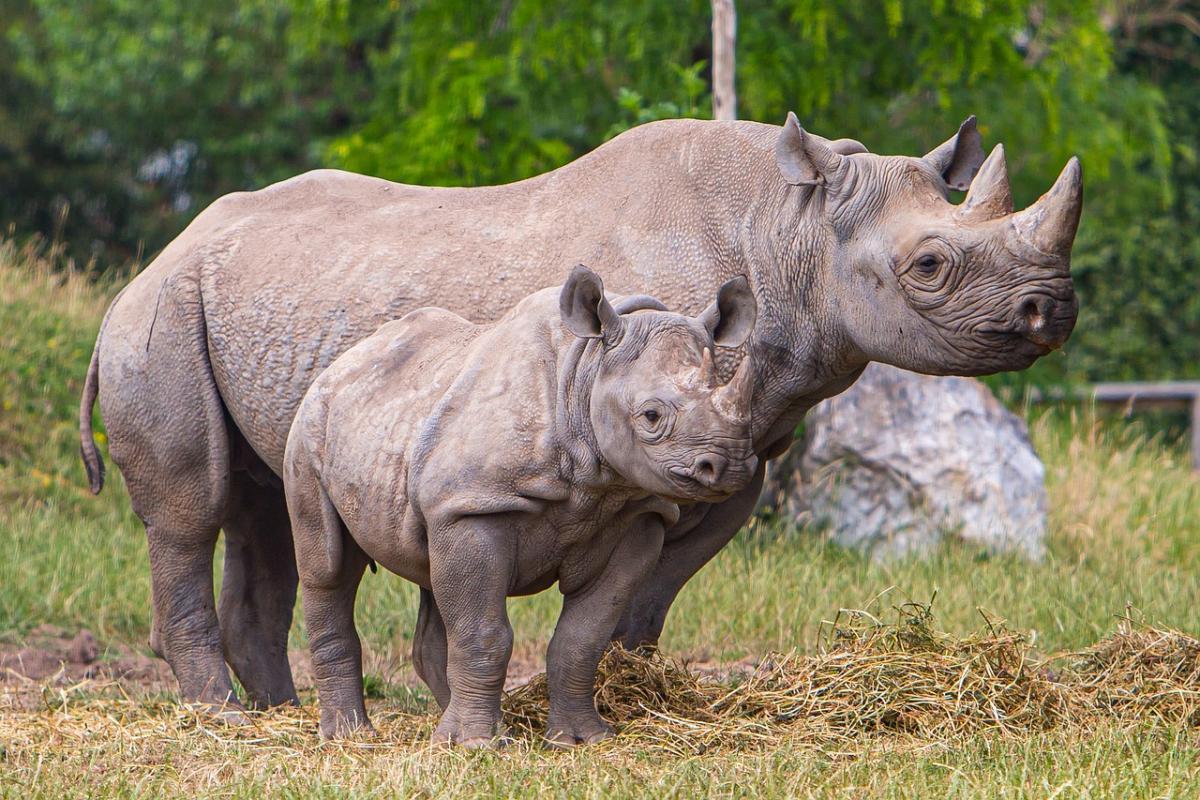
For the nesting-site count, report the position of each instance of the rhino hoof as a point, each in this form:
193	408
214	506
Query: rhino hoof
345	726
584	732
473	737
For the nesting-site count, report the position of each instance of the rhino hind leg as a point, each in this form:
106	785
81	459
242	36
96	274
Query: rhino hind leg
258	591
167	433
329	578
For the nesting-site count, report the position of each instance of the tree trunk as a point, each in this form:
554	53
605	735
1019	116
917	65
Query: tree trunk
724	28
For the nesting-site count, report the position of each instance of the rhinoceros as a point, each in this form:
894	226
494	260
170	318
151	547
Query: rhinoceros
485	461
853	257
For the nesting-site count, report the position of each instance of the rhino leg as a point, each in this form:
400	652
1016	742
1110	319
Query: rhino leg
682	557
329	577
584	630
429	649
470	569
167	433
258	591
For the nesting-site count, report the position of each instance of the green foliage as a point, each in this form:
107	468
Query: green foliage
470	93
120	119
1137	260
173	103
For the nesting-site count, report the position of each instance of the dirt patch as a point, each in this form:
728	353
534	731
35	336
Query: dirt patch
54	655
51	657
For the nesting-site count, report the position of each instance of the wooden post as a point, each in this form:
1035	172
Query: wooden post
724	31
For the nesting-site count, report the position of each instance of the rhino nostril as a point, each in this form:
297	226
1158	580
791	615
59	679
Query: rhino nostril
707	469
1034	313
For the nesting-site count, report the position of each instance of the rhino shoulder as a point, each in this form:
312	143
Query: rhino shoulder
490	444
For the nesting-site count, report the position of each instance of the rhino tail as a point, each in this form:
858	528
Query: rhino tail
92	461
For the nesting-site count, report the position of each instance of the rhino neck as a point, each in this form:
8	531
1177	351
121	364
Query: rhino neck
788	248
701	202
580	459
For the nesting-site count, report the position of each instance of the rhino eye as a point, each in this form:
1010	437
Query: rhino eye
651	415
927	264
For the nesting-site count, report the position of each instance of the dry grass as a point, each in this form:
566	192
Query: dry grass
905	682
904	679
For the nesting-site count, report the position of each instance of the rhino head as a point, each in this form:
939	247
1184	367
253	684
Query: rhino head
921	283
659	416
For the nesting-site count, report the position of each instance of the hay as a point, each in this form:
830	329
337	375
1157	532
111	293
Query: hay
870	685
1139	673
904	679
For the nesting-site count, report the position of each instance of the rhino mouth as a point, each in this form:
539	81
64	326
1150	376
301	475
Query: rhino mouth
695	488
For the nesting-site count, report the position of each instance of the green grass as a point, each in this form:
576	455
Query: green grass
1125	514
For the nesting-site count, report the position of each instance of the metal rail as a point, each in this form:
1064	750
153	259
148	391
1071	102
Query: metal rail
1183	395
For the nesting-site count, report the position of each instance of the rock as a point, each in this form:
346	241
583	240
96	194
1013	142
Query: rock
901	460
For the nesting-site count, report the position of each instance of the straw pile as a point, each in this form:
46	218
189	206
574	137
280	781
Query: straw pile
903	679
1139	673
870	684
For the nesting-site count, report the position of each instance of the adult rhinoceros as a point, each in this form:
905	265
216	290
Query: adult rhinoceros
853	257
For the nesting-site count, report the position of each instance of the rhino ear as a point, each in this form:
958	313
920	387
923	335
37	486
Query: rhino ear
958	158
731	318
804	159
583	307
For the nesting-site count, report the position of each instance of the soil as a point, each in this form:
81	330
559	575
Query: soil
53	657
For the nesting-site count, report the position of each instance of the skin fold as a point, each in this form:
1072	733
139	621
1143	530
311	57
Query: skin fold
482	462
853	257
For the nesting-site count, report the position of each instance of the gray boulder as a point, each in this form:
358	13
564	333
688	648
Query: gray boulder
900	461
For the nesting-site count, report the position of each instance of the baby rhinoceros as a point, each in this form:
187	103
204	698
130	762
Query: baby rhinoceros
487	461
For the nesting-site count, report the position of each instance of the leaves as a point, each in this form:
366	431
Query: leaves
126	117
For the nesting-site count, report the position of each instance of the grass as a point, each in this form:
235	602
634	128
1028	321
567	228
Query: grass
1125	511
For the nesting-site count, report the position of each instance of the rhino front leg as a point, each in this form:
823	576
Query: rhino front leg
470	569
682	557
429	649
584	630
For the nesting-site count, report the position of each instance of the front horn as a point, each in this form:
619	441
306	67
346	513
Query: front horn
1050	223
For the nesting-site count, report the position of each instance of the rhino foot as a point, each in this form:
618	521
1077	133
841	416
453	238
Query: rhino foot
473	736
336	724
229	713
571	730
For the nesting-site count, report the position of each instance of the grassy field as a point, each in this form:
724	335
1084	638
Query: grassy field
1125	519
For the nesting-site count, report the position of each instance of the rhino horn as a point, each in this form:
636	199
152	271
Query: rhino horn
990	195
708	371
958	158
732	400
1050	223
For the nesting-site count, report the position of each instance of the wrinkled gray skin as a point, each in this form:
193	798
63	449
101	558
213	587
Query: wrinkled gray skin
853	257
482	462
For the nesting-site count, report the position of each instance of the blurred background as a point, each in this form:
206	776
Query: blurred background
122	119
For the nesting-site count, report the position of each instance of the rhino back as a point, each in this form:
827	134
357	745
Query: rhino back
433	417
